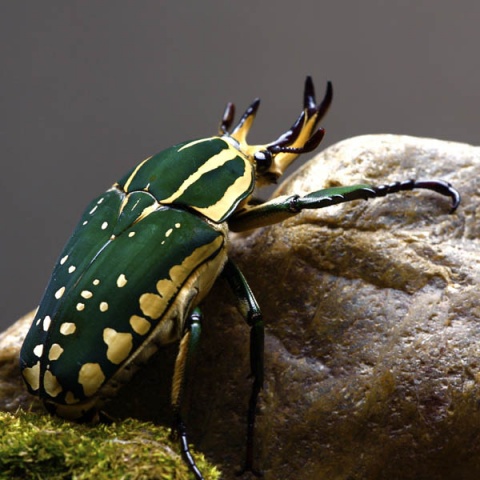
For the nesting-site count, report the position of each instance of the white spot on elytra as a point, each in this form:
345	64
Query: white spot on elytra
67	328
91	378
104	225
85	222
96	281
86	294
100	201
71	269
178	225
55	351
32	376
38	322
64	259
121	281
103	306
59	293
93	209
38	350
51	385
80	306
46	323
139	324
168	232
131	234
119	345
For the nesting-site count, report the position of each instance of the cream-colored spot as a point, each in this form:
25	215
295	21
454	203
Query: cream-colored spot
32	376
55	351
59	293
46	323
38	322
112	237
131	234
80	306
121	281
64	259
119	345
90	377
86	294
67	328
177	225
96	281
104	225
168	232
85	222
51	385
101	200
38	350
151	305
71	269
166	288
139	324
163	242
93	209
103	306
70	398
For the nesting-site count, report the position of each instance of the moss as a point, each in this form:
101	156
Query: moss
34	446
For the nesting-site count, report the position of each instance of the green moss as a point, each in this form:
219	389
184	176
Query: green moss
42	447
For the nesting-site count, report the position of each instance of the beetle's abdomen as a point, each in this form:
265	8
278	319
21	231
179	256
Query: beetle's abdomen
112	291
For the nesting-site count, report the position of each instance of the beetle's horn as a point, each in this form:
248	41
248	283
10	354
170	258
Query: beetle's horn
227	118
240	132
302	136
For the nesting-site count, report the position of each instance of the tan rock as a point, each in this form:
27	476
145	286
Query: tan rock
373	329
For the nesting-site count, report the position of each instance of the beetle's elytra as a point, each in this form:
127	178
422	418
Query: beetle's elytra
147	251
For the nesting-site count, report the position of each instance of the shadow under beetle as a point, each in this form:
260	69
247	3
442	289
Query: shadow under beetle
148	250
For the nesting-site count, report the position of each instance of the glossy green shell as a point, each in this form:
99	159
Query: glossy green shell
142	255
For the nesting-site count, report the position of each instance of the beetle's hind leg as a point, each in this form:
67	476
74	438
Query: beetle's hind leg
183	366
250	311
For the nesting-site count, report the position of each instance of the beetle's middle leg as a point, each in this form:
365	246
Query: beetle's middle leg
183	366
250	311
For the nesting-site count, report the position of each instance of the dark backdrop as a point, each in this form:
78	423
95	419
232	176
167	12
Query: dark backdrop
88	88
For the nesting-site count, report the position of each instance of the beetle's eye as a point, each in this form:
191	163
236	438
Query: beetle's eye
263	159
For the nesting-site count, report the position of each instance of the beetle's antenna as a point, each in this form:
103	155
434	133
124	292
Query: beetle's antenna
227	118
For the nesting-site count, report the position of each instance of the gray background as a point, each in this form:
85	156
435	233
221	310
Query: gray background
90	88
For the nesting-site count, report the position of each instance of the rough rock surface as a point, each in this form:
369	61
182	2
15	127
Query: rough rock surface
373	329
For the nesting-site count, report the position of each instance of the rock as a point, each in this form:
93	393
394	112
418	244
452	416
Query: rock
13	394
373	325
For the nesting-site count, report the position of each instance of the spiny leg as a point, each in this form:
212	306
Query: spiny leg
183	367
281	208
250	311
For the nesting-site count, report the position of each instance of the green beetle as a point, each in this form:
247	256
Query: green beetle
146	252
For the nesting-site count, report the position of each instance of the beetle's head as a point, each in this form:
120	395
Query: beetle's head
272	159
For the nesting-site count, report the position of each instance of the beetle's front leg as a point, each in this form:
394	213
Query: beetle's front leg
183	366
250	311
281	208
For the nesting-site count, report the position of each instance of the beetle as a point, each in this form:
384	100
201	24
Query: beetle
146	253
